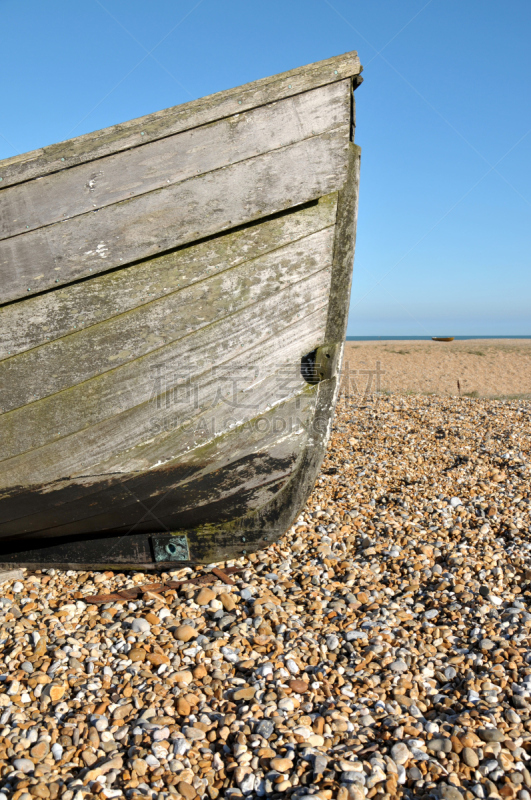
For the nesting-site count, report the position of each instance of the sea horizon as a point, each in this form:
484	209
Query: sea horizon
429	338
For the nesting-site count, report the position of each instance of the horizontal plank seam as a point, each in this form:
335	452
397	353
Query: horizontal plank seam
139	405
128	200
164	296
186	245
168	344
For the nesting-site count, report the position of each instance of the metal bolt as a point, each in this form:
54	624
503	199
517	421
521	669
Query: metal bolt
335	72
62	159
142	133
289	87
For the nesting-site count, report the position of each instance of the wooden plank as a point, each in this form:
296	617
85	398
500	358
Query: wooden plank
176	158
137	132
55	417
165	380
83	451
73	359
155	390
226	478
152	436
167	218
50	316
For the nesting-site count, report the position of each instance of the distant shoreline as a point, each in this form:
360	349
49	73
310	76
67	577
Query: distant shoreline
493	366
426	338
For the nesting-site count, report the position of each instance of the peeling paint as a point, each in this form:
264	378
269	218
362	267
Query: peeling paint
101	250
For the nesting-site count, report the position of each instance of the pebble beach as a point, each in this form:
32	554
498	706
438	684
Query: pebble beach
380	649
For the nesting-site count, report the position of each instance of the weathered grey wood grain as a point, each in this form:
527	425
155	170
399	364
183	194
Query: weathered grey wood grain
73	359
37	320
344	246
166	218
167	161
179	382
268	445
137	132
142	437
162	435
232	484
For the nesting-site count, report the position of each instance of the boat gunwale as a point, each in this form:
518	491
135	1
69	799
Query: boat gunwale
46	160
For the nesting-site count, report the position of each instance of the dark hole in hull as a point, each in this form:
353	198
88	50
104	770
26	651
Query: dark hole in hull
314	366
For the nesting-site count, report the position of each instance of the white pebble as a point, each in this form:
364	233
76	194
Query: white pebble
140	625
57	751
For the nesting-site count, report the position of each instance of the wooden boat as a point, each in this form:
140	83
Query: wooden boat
173	304
442	338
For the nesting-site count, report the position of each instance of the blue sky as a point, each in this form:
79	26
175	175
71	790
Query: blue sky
444	121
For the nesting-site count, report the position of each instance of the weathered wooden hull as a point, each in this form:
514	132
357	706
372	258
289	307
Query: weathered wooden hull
168	365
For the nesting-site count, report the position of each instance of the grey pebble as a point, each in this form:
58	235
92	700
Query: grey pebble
439	746
230	655
247	784
24	765
350	776
450	673
265	728
320	763
400	753
398	666
448	792
470	757
181	747
140	625
491	735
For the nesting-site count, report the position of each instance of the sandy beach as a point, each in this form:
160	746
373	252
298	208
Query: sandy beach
483	367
